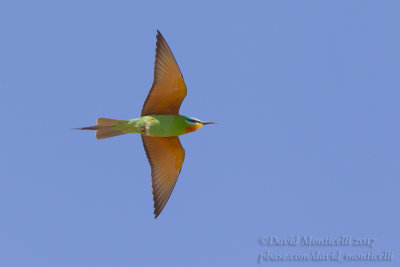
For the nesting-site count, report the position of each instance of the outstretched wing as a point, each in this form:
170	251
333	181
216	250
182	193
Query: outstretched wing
168	89
165	155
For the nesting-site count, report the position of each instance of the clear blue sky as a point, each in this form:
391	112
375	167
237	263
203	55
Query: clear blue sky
308	93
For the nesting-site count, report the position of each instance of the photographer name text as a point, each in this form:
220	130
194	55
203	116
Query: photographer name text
311	241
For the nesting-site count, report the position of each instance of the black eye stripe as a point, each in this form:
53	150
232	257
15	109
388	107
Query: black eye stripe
192	121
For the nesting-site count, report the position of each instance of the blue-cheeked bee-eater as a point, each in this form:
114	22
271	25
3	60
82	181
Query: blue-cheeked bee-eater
160	125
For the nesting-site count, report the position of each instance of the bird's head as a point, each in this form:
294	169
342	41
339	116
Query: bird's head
193	124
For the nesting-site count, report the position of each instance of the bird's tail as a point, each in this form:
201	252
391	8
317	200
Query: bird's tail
104	128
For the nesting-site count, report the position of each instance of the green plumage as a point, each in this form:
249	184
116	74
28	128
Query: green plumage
156	125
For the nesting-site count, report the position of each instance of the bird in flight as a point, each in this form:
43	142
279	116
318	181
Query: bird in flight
160	125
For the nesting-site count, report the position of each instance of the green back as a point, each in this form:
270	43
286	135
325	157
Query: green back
159	125
167	125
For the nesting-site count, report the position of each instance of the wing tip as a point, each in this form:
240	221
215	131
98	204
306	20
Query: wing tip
159	34
156	214
158	207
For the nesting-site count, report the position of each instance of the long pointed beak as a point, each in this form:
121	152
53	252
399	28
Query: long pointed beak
210	122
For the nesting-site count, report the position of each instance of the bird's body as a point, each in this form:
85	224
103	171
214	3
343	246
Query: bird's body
160	125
